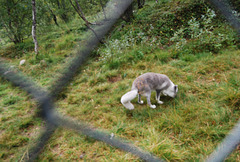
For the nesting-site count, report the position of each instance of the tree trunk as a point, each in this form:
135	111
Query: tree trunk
34	26
63	15
54	16
141	3
128	15
81	14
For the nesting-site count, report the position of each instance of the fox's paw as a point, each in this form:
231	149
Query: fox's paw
160	102
153	106
141	102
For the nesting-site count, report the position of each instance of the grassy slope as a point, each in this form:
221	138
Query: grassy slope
186	128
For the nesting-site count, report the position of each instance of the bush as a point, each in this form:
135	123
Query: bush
200	36
17	50
118	49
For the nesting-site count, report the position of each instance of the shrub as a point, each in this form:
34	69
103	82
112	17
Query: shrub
118	49
199	36
17	50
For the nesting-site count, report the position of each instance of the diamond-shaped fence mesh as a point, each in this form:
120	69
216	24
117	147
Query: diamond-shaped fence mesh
114	9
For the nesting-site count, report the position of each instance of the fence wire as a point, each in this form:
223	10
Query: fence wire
114	9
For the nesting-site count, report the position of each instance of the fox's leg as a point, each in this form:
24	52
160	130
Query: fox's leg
158	94
148	95
139	99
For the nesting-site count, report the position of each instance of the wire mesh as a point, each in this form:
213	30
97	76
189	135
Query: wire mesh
113	11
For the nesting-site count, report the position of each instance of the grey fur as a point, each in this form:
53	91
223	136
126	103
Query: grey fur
144	84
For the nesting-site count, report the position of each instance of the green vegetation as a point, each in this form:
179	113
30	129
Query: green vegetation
205	65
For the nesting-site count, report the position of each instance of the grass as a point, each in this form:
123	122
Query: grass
187	128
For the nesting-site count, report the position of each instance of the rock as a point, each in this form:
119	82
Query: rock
22	62
112	135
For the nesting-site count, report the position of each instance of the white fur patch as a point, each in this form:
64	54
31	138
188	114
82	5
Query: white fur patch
153	106
125	100
141	102
170	91
163	85
160	102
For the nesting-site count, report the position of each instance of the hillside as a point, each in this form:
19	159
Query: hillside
198	53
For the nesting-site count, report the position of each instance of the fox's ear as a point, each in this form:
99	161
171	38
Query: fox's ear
176	88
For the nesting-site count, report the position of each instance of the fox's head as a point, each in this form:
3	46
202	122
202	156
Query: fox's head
171	91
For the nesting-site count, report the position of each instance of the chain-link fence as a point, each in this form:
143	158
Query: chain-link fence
113	11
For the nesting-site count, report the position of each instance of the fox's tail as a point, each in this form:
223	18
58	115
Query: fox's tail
126	98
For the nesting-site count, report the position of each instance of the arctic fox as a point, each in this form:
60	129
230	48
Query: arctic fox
144	84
